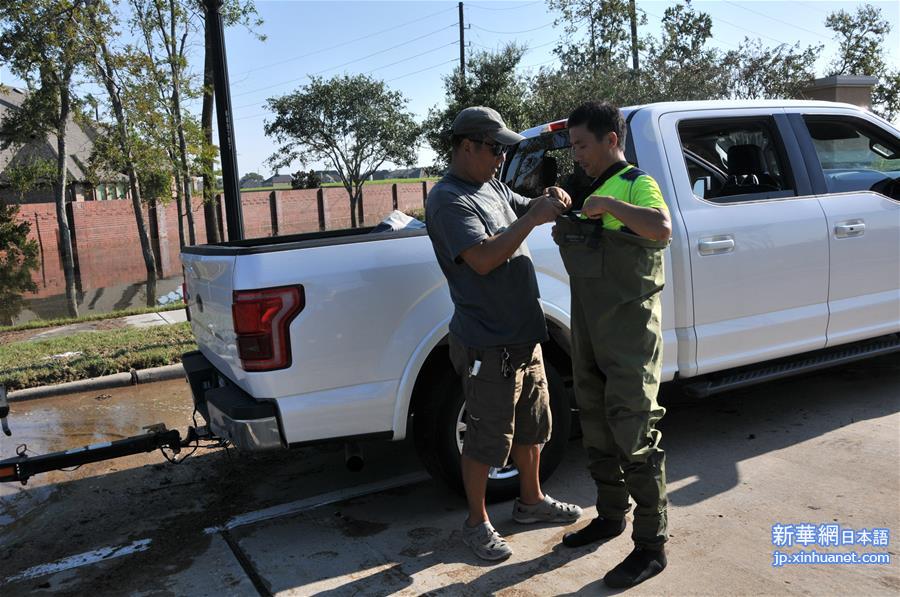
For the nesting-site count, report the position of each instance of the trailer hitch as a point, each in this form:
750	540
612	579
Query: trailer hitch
22	467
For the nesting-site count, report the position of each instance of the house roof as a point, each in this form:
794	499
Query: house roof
79	141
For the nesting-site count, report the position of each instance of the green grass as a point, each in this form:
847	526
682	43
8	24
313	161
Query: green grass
25	364
47	323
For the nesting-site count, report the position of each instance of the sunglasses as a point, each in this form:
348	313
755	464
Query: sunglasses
496	148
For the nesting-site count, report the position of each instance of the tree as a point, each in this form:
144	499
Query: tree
251	179
491	80
760	72
353	122
607	36
18	258
165	26
861	52
107	66
680	66
41	41
305	180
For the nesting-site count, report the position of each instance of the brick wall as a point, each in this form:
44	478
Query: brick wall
109	252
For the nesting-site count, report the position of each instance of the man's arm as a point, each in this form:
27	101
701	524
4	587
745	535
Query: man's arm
650	222
494	251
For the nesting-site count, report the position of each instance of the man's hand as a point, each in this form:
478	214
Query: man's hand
595	206
544	209
561	197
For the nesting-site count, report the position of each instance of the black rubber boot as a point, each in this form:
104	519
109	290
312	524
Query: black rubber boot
597	530
640	565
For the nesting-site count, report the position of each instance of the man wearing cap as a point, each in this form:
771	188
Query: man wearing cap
478	227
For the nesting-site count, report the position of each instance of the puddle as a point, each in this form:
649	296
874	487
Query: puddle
66	422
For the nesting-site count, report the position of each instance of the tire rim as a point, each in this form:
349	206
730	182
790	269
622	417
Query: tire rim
507	472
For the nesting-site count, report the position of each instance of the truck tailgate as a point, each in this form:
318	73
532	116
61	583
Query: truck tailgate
209	283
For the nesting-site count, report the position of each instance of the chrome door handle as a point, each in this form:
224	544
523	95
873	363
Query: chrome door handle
849	229
716	245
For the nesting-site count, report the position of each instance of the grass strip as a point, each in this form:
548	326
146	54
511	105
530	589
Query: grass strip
28	364
48	323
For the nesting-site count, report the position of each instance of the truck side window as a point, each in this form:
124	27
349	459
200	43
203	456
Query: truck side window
855	155
735	159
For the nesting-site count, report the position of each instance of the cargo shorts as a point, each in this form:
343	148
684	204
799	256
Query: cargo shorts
507	399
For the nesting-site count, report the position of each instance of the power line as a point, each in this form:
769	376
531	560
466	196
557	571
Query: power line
421	70
777	20
513	32
518	7
342	44
294	80
377	68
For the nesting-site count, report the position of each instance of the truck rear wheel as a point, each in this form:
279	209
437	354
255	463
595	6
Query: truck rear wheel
440	424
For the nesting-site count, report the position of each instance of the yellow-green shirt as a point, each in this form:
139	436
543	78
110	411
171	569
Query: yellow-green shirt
633	186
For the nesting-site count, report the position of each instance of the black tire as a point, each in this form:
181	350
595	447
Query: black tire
435	431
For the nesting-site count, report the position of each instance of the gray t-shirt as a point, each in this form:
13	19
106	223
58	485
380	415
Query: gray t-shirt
500	308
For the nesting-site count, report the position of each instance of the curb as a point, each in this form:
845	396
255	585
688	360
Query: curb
117	380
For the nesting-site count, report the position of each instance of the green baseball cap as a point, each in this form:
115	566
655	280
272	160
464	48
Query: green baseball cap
480	120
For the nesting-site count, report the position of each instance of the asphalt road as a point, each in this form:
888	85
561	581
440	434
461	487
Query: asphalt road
820	449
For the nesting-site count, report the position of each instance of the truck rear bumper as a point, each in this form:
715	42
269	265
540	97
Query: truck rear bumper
250	425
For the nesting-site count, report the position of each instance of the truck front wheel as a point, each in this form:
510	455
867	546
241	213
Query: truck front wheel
440	427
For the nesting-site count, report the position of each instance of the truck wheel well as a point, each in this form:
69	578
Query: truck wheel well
556	352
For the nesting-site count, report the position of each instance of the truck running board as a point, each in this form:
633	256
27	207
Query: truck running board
803	363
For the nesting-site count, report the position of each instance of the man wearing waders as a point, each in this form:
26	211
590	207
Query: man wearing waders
477	227
613	251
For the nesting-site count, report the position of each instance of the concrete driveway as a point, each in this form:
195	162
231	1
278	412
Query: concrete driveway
820	449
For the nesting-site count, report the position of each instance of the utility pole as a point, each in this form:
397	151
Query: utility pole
462	47
632	9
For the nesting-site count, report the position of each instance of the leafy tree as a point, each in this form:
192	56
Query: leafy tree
353	122
305	180
760	72
861	52
680	66
166	27
18	258
24	175
107	66
491	80
42	43
604	28
251	179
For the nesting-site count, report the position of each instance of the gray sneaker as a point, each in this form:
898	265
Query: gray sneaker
486	542
548	510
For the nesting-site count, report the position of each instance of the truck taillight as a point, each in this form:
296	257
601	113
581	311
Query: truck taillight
262	319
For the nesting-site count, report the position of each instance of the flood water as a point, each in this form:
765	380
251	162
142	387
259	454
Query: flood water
65	422
100	300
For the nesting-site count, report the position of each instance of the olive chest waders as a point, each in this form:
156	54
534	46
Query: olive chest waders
616	279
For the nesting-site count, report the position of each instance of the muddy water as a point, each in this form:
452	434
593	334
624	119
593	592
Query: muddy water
66	422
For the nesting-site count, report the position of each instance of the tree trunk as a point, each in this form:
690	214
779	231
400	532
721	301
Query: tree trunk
179	203
133	182
352	207
213	234
62	219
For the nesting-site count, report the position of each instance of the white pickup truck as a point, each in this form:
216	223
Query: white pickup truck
785	257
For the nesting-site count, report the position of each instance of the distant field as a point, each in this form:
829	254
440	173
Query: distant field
282	187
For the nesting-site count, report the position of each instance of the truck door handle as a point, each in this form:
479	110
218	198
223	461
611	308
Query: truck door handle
849	229
716	245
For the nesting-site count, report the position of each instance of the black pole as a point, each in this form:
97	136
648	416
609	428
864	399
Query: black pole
632	9
224	116
462	47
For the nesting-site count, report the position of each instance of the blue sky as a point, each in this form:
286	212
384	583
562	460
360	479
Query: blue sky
411	45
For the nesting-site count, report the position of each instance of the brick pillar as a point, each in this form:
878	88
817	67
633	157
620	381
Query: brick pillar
320	204
275	212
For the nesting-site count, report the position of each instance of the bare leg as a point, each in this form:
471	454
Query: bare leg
528	461
475	476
